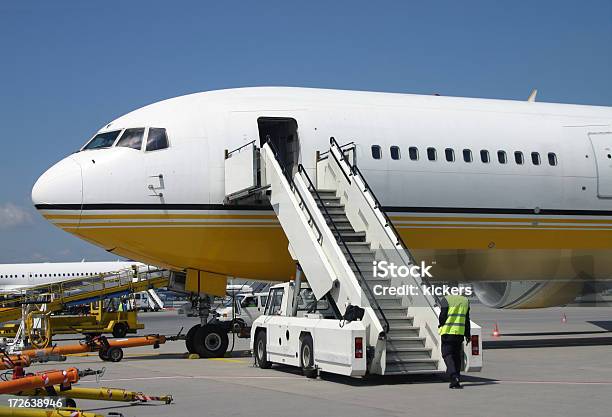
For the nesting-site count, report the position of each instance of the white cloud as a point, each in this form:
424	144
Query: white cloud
13	216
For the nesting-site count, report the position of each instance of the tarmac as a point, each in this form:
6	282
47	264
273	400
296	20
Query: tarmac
540	365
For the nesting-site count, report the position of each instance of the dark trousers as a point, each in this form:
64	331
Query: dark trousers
452	352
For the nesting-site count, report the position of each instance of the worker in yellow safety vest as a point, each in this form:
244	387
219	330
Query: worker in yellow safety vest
453	327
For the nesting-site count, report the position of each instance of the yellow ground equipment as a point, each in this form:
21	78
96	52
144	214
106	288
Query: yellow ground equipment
44	379
23	361
38	307
108	350
41	327
101	393
39	412
63	294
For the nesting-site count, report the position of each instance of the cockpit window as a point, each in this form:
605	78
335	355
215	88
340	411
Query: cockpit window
157	139
102	140
132	138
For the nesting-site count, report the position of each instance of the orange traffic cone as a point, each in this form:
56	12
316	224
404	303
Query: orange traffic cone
563	318
496	330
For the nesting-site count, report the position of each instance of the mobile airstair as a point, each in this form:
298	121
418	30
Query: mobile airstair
336	229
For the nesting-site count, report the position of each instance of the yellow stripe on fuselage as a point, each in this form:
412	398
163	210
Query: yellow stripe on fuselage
254	246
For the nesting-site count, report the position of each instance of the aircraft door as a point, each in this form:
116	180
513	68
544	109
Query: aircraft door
602	147
283	133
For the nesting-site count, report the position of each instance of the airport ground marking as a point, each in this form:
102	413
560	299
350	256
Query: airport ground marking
213	377
227	360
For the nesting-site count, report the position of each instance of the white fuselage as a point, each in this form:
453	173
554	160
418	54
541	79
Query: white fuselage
16	277
489	221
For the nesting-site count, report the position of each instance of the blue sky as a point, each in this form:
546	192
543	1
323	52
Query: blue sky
67	68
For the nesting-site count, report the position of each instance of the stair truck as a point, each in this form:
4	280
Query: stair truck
337	229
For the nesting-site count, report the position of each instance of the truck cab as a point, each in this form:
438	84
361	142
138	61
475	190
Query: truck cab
311	336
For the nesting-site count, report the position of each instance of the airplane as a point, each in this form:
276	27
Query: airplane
512	196
17	277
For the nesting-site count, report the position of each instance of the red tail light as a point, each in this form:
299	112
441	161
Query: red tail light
359	347
475	346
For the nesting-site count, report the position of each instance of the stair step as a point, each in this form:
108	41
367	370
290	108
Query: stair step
350	236
326	192
401	342
396	309
329	203
395	315
336	217
397	322
341	226
361	258
389	303
404	330
326	196
396	367
357	247
365	267
408	354
332	210
375	281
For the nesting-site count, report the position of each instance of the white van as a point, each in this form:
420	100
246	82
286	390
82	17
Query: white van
247	308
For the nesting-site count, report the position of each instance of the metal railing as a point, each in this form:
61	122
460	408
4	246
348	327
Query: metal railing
296	191
399	242
324	155
228	153
361	278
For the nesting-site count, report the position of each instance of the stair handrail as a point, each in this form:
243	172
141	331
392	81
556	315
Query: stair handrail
355	171
361	278
296	191
324	155
228	153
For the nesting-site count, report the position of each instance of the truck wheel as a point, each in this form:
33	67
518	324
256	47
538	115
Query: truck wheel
210	341
307	357
261	355
189	338
70	403
120	330
115	354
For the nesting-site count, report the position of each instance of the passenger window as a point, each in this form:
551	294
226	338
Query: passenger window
484	156
131	138
431	154
467	155
413	152
102	140
552	159
157	139
501	157
518	158
395	152
535	158
376	152
450	154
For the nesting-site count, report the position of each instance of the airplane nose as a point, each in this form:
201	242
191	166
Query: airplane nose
62	184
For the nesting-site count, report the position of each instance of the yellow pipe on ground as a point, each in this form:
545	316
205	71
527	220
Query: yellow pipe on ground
102	394
41	412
